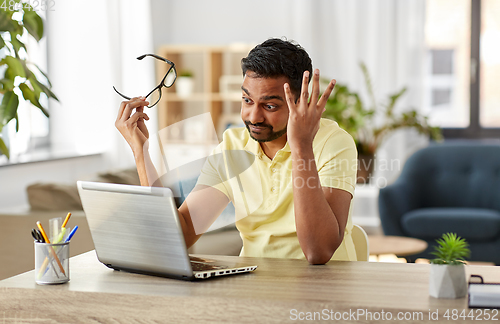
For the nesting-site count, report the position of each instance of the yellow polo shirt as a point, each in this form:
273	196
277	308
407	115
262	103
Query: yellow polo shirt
262	193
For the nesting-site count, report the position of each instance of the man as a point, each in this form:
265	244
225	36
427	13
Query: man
306	166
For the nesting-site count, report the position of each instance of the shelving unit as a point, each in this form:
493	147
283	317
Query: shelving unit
208	64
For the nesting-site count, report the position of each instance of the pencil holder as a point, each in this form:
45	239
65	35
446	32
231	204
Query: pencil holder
51	263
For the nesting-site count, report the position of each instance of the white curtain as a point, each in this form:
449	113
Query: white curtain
92	46
388	36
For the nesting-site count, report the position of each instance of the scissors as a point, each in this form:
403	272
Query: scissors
37	235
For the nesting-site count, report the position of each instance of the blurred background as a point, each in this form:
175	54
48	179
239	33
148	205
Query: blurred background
445	52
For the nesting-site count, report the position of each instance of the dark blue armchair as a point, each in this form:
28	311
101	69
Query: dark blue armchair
447	188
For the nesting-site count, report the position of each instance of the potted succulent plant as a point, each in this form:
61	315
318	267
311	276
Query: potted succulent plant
184	84
369	126
447	273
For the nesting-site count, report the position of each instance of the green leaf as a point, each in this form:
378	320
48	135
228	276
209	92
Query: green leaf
451	249
6	85
29	94
36	88
34	24
2	42
15	67
8	107
369	85
16	43
45	89
6	23
4	149
45	75
392	101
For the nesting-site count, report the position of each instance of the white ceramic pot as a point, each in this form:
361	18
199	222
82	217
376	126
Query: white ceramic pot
184	86
447	281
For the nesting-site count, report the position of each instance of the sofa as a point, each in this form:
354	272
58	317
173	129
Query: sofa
450	187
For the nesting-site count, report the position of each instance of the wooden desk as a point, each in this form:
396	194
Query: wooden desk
97	294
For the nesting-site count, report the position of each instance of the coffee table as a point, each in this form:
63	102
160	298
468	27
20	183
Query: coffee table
398	245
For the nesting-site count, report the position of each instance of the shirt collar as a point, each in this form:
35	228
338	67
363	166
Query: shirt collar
253	146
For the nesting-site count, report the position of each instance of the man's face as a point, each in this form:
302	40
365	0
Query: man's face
263	109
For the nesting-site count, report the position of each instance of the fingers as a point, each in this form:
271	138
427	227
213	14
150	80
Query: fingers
315	88
135	118
140	121
304	94
289	97
142	127
315	101
326	94
126	107
120	110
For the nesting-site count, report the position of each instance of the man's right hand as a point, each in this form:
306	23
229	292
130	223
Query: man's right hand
132	127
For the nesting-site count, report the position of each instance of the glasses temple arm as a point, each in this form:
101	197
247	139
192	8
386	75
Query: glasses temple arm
124	96
157	57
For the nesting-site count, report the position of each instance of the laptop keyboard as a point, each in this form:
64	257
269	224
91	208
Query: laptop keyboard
199	264
204	267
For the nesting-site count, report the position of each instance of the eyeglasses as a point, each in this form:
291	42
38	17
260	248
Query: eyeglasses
167	81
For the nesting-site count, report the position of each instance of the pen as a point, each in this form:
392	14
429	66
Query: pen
71	234
60	236
51	248
58	240
39	238
44	265
66	220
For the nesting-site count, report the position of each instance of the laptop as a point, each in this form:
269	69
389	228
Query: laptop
137	229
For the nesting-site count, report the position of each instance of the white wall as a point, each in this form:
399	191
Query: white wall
219	22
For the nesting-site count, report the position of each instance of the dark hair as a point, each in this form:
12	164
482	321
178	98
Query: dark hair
277	57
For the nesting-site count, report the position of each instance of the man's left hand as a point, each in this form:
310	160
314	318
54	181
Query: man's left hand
304	116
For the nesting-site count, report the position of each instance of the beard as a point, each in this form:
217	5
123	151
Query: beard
271	136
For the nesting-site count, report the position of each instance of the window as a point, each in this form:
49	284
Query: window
33	135
462	40
489	96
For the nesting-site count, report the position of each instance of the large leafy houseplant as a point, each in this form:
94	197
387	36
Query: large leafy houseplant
447	273
370	125
19	76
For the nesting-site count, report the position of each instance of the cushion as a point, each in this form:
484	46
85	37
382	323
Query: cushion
58	196
127	176
473	224
54	196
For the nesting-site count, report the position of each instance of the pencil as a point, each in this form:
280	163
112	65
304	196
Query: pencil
51	248
66	220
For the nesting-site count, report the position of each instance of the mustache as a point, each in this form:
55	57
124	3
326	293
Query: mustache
258	124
